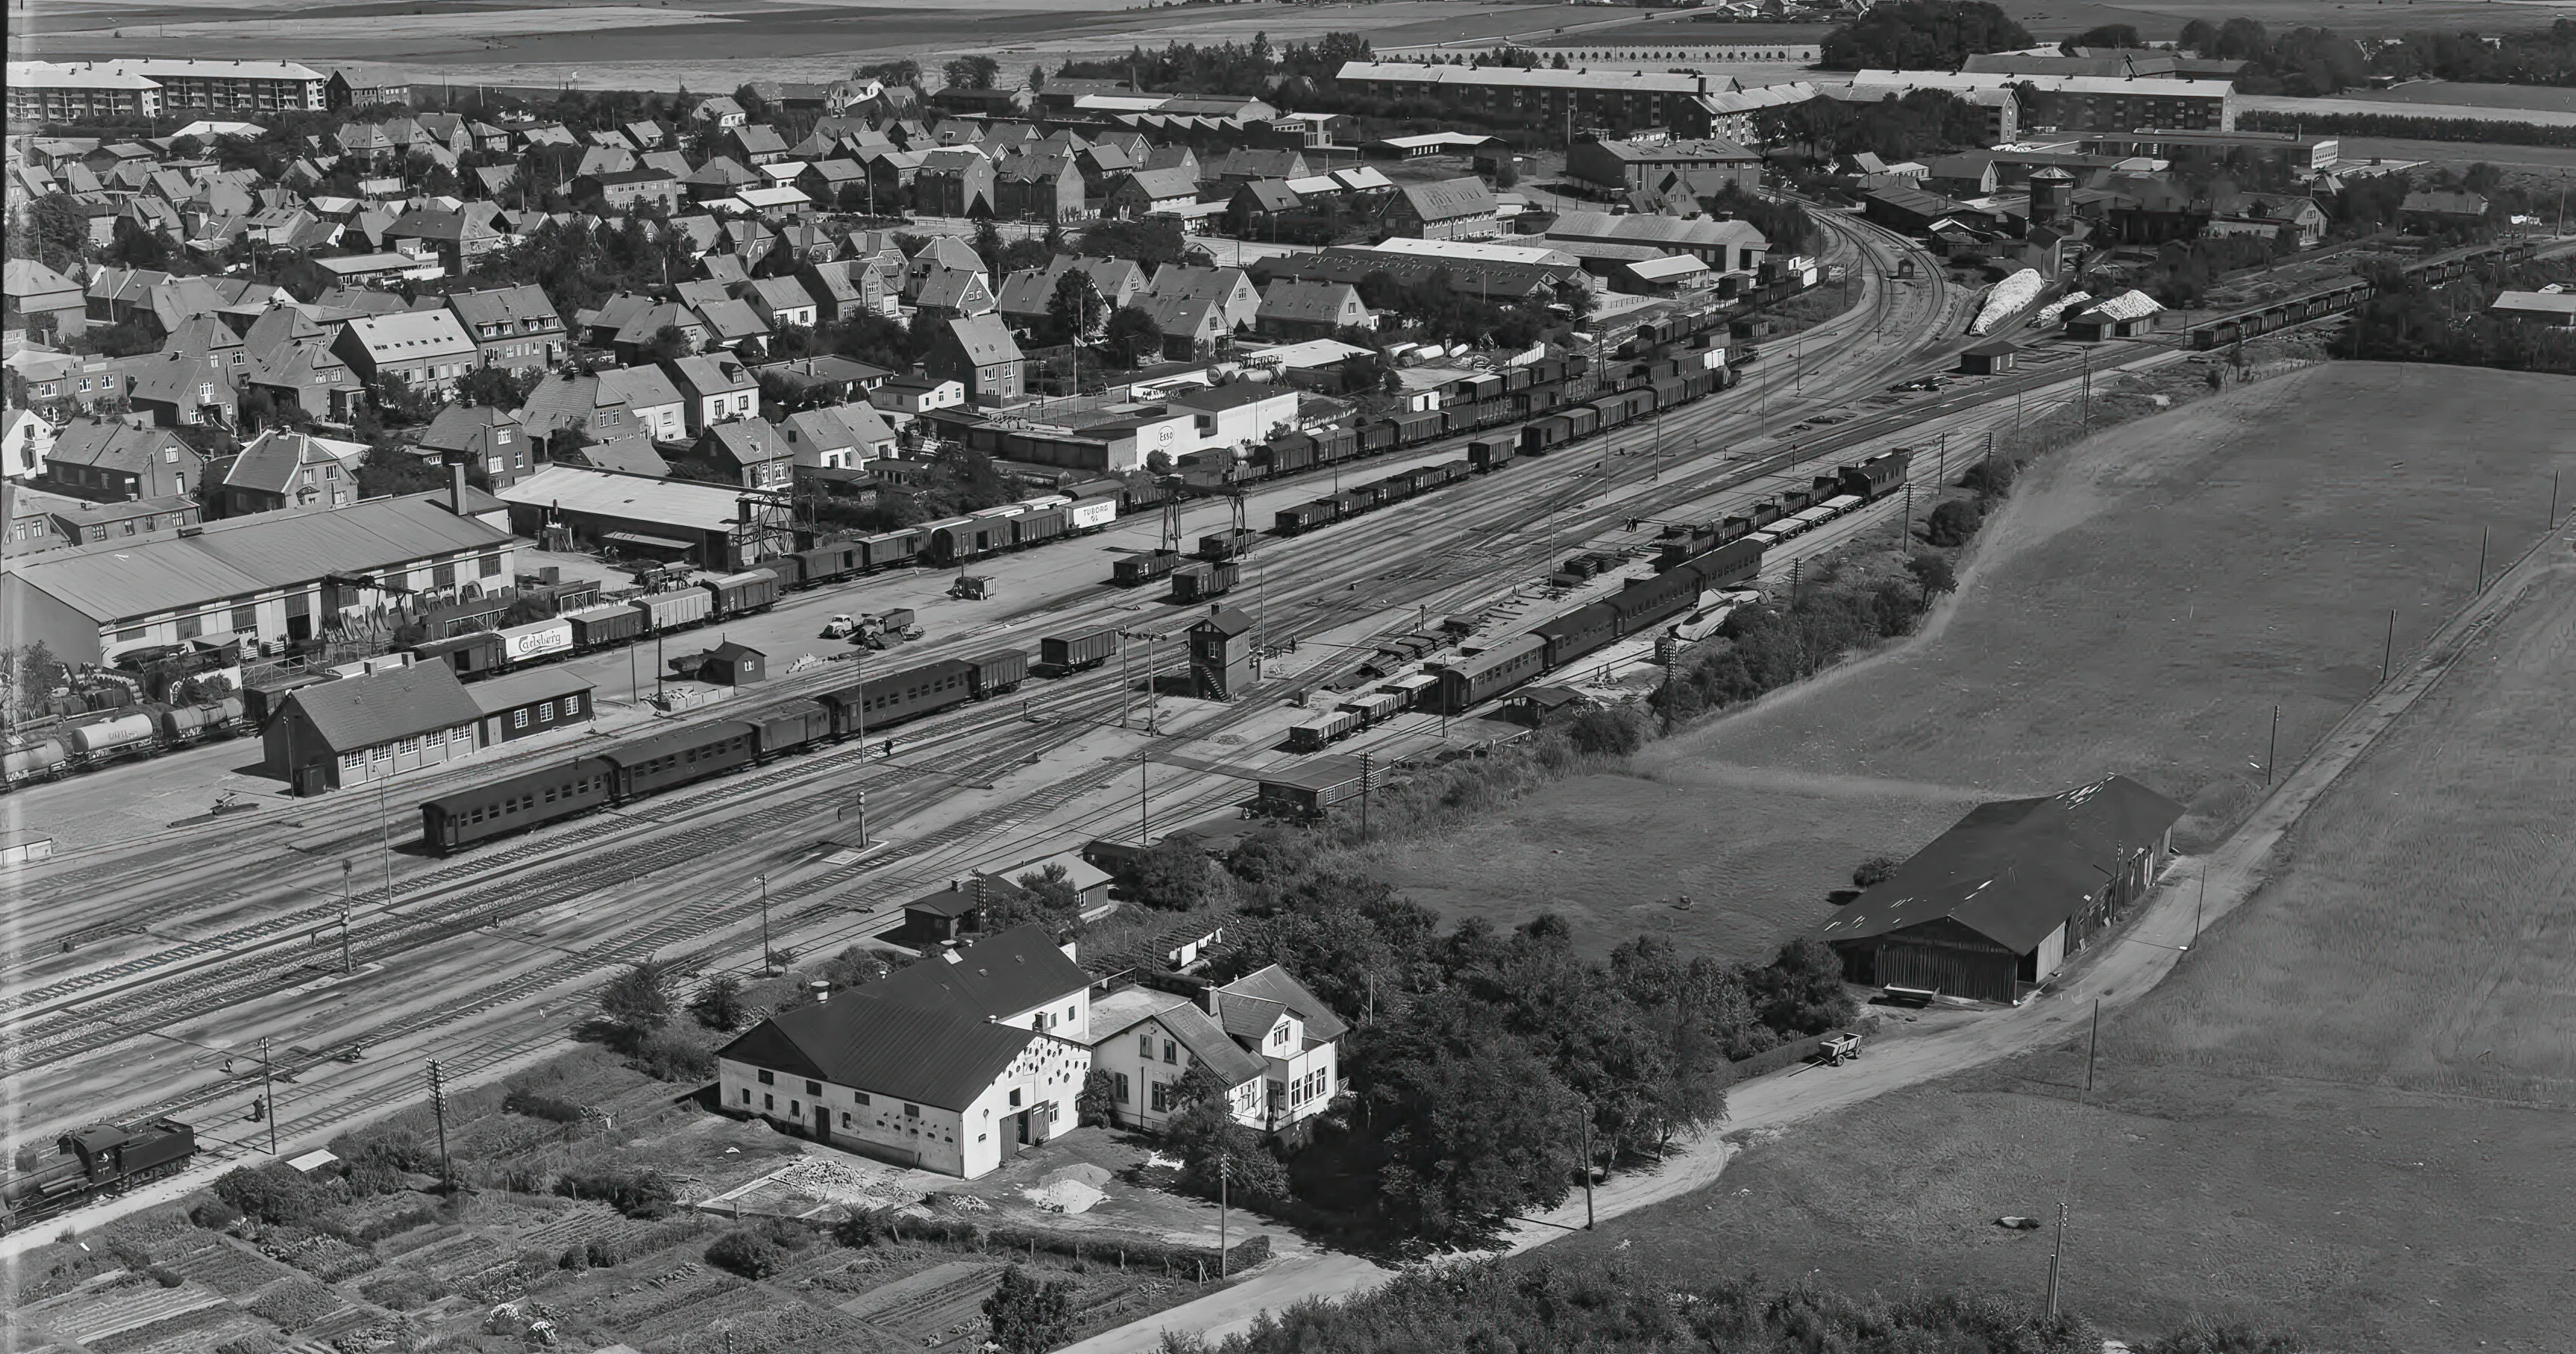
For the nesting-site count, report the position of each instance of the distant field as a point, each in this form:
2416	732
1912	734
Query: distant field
2163	19
2140	607
2463	112
2345	1114
2554	161
2555	98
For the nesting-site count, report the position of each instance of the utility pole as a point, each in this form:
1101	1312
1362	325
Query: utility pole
768	955
2056	1257
267	1095
2093	1046
2275	751
1587	1168
2084	419
2388	653
348	869
2482	563
1367	774
1223	1162
385	838
438	1107
2202	904
1144	822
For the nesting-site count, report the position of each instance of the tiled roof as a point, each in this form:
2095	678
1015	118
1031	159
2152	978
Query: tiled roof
1000	976
1274	983
927	1056
363	712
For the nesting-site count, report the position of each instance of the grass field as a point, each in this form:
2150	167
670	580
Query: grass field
2557	162
2163	20
2141	606
2553	98
2346	1113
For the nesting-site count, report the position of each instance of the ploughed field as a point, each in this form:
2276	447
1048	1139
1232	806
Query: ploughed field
2140	606
2346	1113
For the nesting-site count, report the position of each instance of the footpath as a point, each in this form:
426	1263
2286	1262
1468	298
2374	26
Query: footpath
2116	973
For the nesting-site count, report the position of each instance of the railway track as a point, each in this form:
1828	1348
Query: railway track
1501	520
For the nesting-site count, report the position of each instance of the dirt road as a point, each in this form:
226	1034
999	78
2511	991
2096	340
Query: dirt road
2114	973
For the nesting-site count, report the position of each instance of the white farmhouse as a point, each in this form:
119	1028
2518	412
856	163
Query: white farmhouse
1272	1042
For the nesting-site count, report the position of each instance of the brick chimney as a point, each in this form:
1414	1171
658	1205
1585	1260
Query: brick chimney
456	486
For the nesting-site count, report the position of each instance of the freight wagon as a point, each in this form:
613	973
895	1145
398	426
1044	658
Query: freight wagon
1199	582
1373	706
600	627
524	644
469	656
1315	734
677	609
996	673
1070	653
1139	569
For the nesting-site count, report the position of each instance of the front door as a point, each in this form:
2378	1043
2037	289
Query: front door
1022	1118
822	1123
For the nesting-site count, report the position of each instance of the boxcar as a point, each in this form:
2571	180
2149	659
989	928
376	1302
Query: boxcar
1037	525
889	549
1489	456
1225	545
674	609
1544	435
881	702
646	765
1305	516
794	727
1198	582
471	655
1378	436
1465	682
536	641
1880	474
602	626
515	803
1087	650
826	563
994	673
957	539
1090	514
1337	443
1576	633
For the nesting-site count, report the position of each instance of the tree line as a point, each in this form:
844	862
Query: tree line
2410	127
2408	321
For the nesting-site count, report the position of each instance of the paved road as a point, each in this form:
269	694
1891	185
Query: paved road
2115	973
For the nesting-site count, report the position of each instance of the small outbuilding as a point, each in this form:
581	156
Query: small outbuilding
532	702
1989	359
1221	654
332	735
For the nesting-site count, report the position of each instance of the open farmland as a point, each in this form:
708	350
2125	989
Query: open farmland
2162	20
2391	1008
2506	99
2541	161
2141	605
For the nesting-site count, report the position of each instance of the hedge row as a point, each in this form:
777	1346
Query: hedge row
1125	1248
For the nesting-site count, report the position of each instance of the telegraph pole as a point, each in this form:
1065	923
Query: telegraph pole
1587	1168
1144	823
2275	751
438	1107
2093	1046
1366	775
1222	1163
347	871
768	955
2482	563
2388	653
267	1095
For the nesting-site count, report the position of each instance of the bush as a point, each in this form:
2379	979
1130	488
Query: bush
539	1105
214	1214
247	1344
274	1194
718	1005
1874	870
673	1055
755	1252
1990	478
1953	523
635	1193
1612	732
1030	1316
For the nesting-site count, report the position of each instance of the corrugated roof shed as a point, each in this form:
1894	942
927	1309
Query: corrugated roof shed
250	555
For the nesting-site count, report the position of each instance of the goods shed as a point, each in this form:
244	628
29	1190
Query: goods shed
526	703
1999	902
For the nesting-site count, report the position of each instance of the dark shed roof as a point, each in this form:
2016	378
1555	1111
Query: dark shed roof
861	1039
2014	869
1000	975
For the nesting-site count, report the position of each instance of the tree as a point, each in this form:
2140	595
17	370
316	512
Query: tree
1174	876
392	470
1097	1105
1213	1144
1030	1316
1132	336
1467	1123
2108	35
1952	523
496	387
639	999
137	246
1076	308
58	232
904	71
1874	871
1933	574
1921	35
972	72
1801	990
670	341
719	1005
1151	242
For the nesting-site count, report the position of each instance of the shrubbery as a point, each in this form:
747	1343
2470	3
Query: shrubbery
635	1193
756	1252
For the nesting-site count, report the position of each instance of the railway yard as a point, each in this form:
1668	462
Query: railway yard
145	975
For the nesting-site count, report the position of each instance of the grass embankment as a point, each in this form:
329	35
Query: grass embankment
2347	1112
2142	607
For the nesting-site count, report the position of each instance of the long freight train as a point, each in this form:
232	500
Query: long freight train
92	1163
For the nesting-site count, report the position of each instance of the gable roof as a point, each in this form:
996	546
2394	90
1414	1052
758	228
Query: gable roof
1449	199
2013	870
391	703
271	461
860	1039
504	305
998	977
1209	1043
1276	984
413	334
986	341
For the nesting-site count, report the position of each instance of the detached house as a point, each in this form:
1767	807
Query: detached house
843	437
488	442
950	1064
1450	209
1304	310
513	328
111	461
749	452
1147	191
456	238
717	389
1273	1044
278	470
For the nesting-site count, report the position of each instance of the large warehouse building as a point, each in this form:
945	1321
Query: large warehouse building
2000	901
262	579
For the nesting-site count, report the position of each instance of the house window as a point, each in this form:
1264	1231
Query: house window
813	1088
769	1102
1162	1093
912	1111
1121	1078
351	761
519	719
746	1095
408	747
545	712
766	1078
1145	1047
1015	1100
859	1096
1171	1052
491	564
